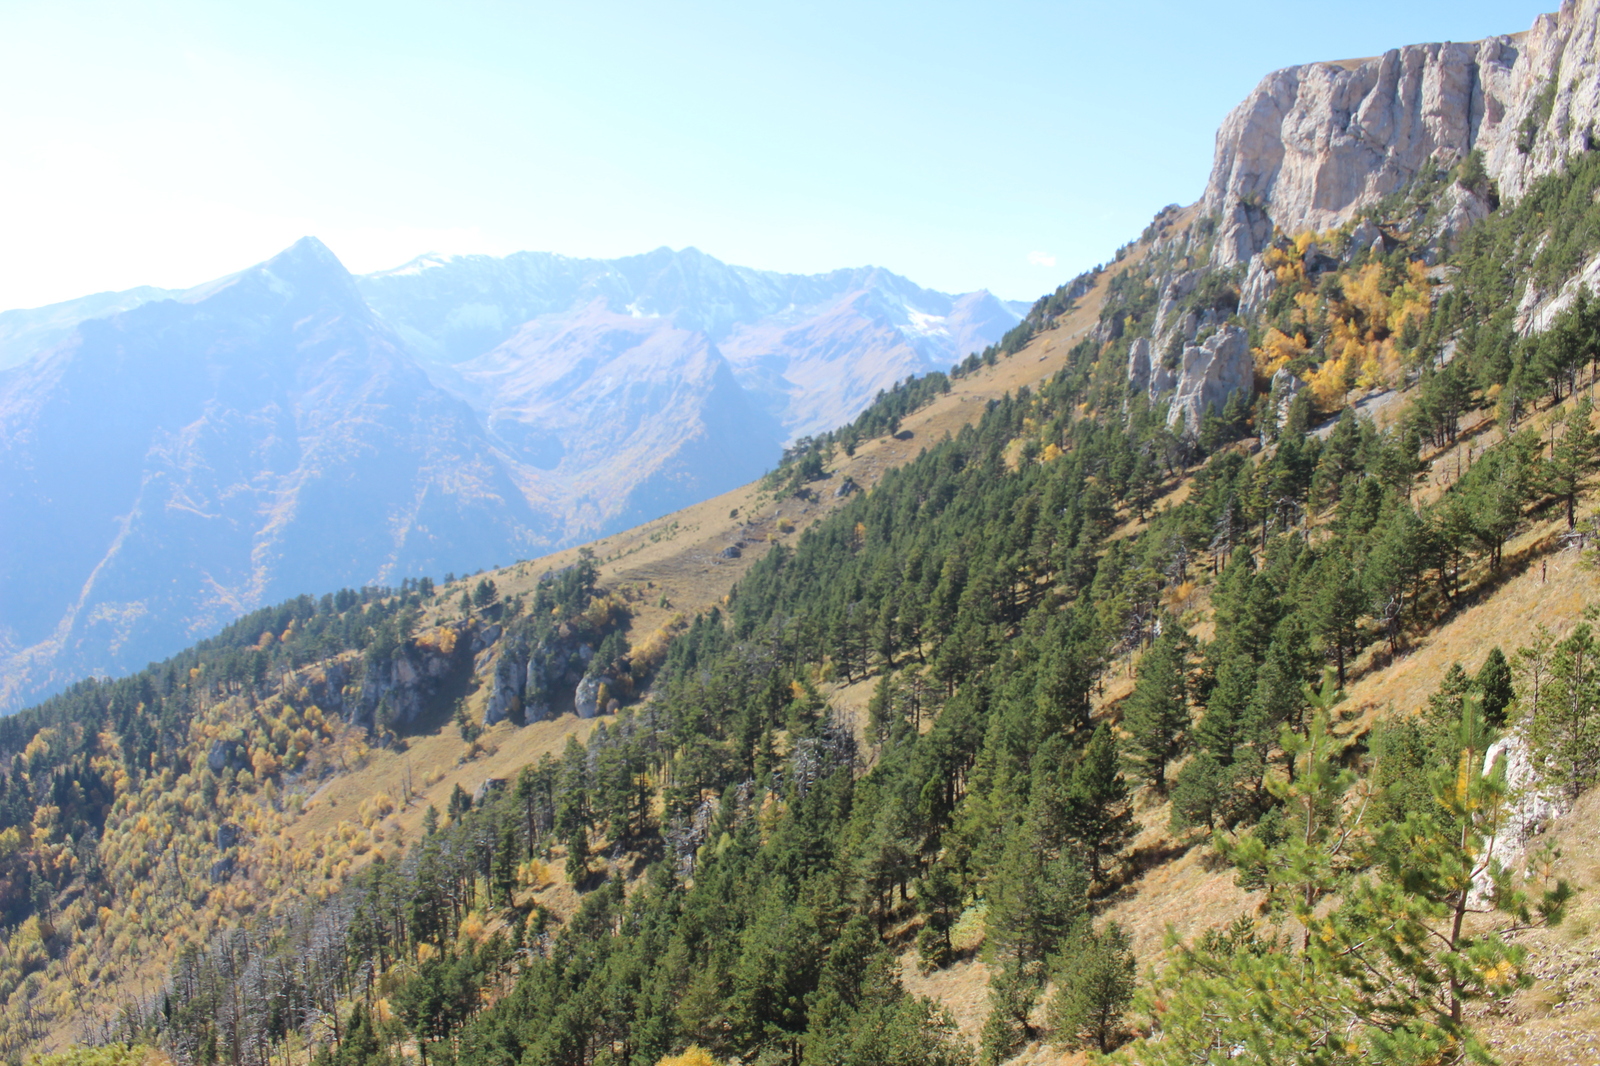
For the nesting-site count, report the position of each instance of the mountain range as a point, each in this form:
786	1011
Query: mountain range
172	459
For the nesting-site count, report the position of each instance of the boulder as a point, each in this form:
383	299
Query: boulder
1180	286
731	552
846	487
1285	386
1162	380
227	836
535	708
586	700
485	638
1534	802
1211	373
1317	262
505	688
226	755
1363	238
1462	208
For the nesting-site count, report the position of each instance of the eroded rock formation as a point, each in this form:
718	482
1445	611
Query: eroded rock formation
1211	373
1314	144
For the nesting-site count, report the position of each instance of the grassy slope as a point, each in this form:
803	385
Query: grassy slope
679	557
1183	889
1179	887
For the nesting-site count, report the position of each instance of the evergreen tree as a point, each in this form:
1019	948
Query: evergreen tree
1098	817
1158	711
1336	608
1386	974
939	900
1573	458
1094	978
1565	728
1494	688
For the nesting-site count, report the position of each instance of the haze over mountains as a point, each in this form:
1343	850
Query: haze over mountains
169	460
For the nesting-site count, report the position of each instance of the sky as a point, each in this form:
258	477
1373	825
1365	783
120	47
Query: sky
1005	145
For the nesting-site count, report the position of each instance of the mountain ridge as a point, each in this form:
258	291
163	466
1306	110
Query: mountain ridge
546	426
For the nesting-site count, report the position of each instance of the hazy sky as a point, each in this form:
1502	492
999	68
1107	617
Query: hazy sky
1005	145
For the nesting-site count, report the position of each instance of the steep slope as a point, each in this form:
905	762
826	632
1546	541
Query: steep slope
174	465
26	333
597	398
618	419
811	349
910	731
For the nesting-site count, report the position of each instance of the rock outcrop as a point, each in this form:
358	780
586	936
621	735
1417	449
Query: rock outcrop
1139	365
531	680
1313	144
586	700
1211	373
1285	387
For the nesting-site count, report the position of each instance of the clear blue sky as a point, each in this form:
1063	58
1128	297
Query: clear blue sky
1004	145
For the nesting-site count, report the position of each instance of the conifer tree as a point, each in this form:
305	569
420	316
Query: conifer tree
1565	728
1098	817
1094	978
1574	457
1336	608
1385	975
1494	687
1322	841
1158	711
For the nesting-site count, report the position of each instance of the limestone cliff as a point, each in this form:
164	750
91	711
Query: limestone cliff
1315	143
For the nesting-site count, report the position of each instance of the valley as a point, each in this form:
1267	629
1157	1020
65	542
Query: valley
1201	669
295	427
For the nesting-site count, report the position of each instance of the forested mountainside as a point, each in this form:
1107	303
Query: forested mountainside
750	863
1176	608
171	460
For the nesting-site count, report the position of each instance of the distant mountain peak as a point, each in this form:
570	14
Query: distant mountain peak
307	250
425	261
307	270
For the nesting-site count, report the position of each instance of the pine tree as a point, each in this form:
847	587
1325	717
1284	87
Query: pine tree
1384	976
1158	711
1565	729
1094	978
939	900
1493	685
1336	608
1573	459
1098	817
1322	841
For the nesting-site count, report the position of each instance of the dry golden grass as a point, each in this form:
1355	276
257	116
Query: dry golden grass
962	988
438	756
1557	1021
1538	586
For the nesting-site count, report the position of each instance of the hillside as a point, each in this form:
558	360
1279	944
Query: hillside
293	427
1194	669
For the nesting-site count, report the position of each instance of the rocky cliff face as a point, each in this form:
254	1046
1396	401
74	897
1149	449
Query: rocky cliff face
1313	144
1211	374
